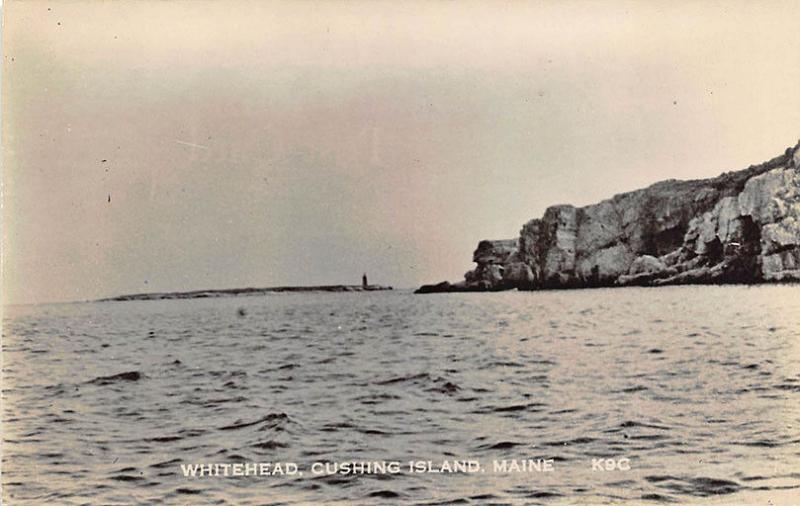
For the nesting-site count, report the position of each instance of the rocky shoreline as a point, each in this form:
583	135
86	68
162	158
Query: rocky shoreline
233	292
739	227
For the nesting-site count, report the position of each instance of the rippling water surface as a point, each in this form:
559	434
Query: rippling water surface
697	386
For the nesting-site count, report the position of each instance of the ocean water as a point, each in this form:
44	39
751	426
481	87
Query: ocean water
684	394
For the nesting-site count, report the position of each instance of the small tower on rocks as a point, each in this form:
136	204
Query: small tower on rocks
364	283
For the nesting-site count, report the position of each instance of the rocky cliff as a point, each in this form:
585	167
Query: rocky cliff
739	227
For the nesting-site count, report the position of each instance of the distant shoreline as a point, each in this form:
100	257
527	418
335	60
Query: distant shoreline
233	292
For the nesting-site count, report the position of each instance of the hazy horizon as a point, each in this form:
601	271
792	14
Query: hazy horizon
176	146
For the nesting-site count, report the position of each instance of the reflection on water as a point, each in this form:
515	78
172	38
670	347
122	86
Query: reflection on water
697	387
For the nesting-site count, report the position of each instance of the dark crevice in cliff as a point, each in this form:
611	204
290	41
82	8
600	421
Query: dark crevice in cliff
667	240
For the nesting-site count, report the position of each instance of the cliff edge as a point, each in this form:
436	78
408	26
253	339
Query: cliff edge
739	227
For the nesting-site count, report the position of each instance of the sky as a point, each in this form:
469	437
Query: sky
168	146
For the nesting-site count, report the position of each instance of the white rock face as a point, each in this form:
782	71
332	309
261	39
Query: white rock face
562	222
779	236
606	264
752	236
646	264
728	224
600	226
783	266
